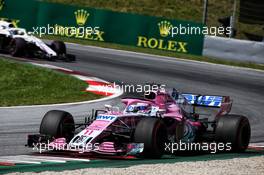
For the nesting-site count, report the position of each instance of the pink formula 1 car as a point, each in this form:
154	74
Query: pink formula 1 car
147	127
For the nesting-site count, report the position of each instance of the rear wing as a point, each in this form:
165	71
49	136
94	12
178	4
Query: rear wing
204	100
222	102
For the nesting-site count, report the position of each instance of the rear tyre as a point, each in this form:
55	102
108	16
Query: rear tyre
233	129
152	132
57	124
59	47
17	47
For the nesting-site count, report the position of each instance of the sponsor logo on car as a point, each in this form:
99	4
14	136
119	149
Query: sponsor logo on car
105	117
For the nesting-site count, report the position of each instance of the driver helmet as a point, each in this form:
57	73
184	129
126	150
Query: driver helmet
139	108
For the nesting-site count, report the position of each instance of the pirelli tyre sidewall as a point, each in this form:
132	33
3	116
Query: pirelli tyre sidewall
17	47
56	124
234	129
153	133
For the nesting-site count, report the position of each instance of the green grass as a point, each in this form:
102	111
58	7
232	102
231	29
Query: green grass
174	9
158	52
24	84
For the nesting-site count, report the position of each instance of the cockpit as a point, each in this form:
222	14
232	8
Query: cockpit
17	31
138	107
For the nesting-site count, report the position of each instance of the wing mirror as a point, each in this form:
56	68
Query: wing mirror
108	107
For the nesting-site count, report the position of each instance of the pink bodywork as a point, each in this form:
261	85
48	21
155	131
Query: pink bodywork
167	106
166	103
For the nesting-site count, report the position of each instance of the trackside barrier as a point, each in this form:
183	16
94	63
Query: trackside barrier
114	27
233	49
126	29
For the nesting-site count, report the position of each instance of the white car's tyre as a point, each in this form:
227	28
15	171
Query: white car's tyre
59	47
17	47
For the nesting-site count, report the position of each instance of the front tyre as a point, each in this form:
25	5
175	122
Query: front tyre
57	124
234	129
17	47
59	47
152	132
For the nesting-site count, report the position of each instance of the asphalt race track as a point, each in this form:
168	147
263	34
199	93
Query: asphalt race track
245	86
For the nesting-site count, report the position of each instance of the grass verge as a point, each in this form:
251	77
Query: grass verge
157	52
24	84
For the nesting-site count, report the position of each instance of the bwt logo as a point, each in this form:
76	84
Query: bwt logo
105	117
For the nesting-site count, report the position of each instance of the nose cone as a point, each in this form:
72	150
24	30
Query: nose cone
80	141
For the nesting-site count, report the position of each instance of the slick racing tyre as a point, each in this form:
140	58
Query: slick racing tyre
59	47
152	132
57	124
234	129
17	47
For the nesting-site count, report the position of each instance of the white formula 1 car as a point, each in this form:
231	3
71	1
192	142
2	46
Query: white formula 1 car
17	42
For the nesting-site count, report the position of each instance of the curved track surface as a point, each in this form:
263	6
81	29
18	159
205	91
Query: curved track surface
245	86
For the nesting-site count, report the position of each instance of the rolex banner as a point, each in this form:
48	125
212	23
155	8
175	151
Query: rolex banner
113	27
